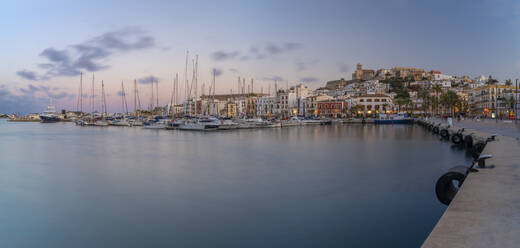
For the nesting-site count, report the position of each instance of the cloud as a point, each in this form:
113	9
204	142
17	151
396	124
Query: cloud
90	55
148	80
30	99
120	93
29	75
217	71
273	49
303	65
255	52
273	78
309	80
223	55
233	70
288	46
343	68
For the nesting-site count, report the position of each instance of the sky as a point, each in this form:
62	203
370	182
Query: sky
45	45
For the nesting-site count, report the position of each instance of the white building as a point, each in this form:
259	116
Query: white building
374	102
265	105
441	77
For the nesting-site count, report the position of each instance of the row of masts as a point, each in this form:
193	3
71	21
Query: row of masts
190	89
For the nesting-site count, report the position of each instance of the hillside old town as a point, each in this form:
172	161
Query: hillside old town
369	93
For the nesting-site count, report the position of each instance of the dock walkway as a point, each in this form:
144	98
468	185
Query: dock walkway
486	210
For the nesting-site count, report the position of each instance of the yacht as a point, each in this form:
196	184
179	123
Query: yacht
50	115
203	124
227	124
293	121
121	122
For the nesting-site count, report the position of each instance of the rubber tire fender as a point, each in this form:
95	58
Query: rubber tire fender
456	138
468	141
444	133
444	188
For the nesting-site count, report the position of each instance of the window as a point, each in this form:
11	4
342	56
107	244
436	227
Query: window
369	100
361	100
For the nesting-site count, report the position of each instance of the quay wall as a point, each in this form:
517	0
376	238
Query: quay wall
485	212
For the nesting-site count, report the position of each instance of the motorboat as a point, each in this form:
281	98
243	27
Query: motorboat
50	115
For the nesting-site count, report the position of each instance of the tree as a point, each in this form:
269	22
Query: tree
508	82
424	95
437	89
354	109
449	100
402	101
491	80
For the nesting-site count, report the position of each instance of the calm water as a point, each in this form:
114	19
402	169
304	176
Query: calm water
323	186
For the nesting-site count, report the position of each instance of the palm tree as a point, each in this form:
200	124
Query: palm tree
424	95
449	100
402	101
437	89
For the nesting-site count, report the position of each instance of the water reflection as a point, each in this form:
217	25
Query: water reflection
326	186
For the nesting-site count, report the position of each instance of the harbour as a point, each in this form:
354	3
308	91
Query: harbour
299	186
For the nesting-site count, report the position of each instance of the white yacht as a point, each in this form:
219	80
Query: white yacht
50	115
203	124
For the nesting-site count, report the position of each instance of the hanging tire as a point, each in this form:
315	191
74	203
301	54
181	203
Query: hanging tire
449	183
468	140
456	138
435	130
444	133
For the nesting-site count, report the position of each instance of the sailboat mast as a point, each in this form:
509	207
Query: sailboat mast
122	98
157	92
151	103
186	77
104	107
135	95
80	97
176	87
92	98
196	75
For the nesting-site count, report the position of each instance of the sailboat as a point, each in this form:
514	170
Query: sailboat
103	122
123	121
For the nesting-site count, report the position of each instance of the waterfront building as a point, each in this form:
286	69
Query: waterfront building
332	108
265	106
251	106
492	100
311	104
287	104
374	102
231	109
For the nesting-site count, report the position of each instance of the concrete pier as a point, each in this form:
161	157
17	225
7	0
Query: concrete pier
486	210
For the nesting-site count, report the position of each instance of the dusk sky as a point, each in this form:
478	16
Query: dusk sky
46	44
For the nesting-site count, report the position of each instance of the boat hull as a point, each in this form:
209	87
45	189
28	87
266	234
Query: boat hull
49	119
399	121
